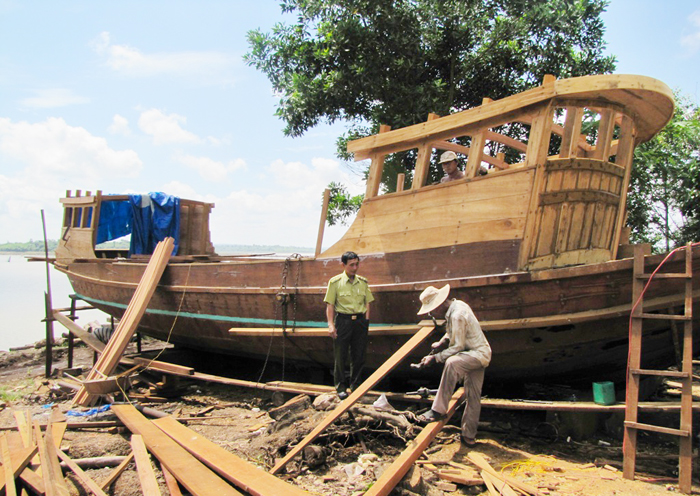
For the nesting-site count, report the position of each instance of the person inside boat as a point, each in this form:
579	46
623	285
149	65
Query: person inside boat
347	309
465	352
450	166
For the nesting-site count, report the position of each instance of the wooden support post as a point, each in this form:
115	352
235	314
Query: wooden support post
322	223
362	389
425	152
376	169
47	303
400	178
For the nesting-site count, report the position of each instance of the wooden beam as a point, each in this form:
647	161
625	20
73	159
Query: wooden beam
361	390
395	472
149	484
114	474
87	337
425	152
54	484
163	366
171	482
84	479
322	222
376	168
241	473
8	467
132	316
190	472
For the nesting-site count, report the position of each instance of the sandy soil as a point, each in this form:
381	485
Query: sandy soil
532	448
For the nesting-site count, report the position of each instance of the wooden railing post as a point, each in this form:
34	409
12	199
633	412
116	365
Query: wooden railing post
322	223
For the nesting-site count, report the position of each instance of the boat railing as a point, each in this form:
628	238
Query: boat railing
571	141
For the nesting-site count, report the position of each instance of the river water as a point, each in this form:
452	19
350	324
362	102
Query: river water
22	287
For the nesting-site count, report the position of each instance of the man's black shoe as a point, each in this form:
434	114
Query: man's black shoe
342	395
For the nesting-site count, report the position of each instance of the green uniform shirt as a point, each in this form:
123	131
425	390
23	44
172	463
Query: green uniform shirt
348	296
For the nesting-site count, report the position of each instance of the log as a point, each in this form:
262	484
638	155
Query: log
97	462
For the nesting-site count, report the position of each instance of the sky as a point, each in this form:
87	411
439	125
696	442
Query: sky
139	96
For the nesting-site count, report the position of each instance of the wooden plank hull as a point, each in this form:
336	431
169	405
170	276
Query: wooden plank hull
549	324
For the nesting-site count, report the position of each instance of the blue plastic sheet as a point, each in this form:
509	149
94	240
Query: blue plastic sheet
115	220
88	413
155	217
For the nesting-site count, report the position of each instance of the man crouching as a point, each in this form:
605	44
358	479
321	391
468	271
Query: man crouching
466	354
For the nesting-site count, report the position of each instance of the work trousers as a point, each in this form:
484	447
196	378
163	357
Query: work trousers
352	340
469	369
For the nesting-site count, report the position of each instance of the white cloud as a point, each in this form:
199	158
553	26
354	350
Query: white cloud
53	98
691	41
212	67
166	128
288	210
40	161
120	125
210	169
53	148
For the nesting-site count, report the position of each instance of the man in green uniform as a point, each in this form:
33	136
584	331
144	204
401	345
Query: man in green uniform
347	310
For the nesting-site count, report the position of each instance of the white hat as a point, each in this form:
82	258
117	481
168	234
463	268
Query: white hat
431	298
447	157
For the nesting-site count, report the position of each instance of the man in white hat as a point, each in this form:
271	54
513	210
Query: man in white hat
450	167
465	353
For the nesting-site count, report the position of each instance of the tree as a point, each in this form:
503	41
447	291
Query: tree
372	62
664	197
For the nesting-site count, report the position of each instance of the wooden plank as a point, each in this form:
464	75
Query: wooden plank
33	481
114	474
54	484
149	484
23	419
241	473
164	366
488	480
499	485
685	463
190	472
171	482
127	325
396	471
478	460
8	467
84	479
87	337
345	405
322	222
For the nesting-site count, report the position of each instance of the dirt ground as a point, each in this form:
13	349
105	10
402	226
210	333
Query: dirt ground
546	451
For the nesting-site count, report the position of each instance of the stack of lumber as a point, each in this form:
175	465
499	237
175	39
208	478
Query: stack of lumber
31	460
109	359
195	463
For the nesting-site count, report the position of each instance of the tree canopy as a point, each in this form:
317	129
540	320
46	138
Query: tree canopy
394	61
372	62
664	197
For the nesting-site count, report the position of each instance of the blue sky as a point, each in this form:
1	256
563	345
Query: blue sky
137	96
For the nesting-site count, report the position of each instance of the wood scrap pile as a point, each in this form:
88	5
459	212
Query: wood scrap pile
31	460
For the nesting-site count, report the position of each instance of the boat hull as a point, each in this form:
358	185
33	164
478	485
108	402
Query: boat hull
557	324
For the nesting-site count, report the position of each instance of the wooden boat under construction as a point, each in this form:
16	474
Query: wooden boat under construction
536	245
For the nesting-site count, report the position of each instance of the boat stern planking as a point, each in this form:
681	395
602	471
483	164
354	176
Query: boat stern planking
532	245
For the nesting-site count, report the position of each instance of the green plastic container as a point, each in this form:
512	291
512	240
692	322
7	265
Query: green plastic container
604	393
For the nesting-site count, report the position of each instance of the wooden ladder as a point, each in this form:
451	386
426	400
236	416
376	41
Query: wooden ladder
635	372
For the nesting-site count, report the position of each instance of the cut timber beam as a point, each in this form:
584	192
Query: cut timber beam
362	389
87	337
392	475
190	472
84	479
132	316
149	484
243	474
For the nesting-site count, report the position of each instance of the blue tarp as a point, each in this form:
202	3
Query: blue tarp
148	218
156	216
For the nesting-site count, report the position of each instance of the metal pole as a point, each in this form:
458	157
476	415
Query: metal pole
47	303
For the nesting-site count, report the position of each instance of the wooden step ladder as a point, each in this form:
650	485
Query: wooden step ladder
635	372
